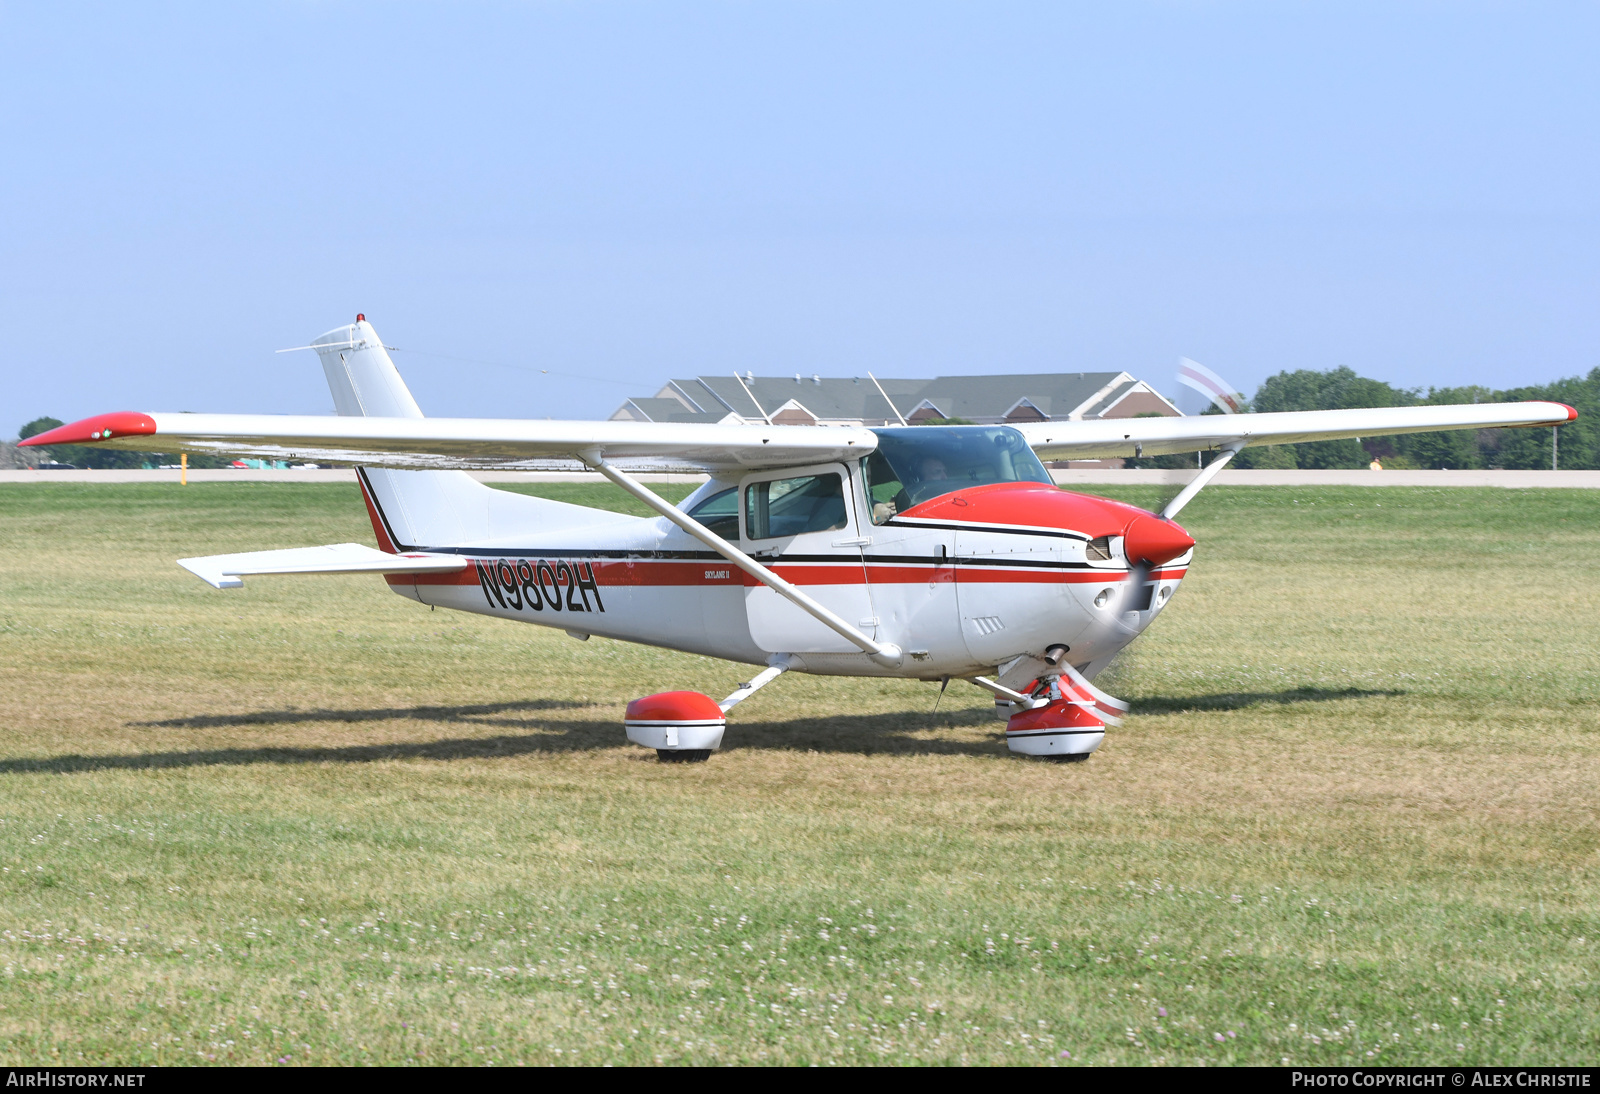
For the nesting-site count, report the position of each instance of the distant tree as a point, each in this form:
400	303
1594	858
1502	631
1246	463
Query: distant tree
1271	457
36	427
1339	388
946	421
1335	389
1580	442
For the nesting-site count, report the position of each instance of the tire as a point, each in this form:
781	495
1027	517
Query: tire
683	755
1068	758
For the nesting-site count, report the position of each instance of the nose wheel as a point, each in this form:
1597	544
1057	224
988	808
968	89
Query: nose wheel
1065	728
1059	715
683	755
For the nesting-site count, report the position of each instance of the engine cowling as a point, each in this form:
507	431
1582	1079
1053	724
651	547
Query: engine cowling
1146	537
1020	591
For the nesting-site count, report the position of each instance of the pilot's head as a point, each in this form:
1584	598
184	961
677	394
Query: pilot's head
933	469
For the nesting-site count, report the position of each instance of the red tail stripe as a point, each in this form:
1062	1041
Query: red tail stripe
385	544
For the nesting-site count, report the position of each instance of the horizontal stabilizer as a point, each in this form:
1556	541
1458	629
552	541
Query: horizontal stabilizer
228	571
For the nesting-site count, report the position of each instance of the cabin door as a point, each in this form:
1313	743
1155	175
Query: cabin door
803	524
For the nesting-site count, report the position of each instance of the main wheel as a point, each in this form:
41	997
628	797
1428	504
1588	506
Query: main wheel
683	755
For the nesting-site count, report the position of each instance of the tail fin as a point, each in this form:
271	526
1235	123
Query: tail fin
424	509
363	379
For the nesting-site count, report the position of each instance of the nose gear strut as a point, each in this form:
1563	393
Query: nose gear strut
1059	714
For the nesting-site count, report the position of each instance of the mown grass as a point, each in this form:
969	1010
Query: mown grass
1352	820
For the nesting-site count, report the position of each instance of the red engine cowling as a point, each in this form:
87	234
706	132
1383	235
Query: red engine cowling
1147	538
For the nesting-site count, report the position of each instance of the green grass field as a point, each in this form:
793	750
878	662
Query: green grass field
1353	818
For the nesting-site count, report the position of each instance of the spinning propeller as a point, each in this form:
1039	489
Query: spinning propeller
1147	543
1150	541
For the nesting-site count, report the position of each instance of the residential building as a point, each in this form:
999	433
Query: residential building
861	400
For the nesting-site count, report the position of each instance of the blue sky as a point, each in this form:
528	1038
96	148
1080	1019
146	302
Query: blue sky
618	193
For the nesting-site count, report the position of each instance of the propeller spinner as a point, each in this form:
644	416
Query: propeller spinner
1148	542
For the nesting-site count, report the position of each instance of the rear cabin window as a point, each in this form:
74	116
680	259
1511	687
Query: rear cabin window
920	463
720	513
790	507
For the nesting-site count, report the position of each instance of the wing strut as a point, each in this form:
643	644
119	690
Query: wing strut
1196	484
886	654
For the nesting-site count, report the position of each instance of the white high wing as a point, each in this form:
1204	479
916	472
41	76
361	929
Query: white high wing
925	553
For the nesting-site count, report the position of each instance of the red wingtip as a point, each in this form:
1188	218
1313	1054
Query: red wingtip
1572	412
102	427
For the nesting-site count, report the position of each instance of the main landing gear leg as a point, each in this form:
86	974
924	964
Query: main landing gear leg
687	726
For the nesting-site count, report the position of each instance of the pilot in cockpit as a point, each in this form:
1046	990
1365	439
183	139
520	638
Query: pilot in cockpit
929	469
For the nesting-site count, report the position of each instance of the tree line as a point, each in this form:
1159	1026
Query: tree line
1577	444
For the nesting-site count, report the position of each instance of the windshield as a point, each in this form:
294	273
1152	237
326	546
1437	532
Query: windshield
918	463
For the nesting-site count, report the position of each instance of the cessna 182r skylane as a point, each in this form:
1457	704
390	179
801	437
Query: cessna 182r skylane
924	553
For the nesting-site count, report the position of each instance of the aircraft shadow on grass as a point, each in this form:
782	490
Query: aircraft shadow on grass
474	714
905	733
1239	700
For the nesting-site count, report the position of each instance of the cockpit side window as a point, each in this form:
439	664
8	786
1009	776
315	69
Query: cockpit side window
884	490
720	513
792	507
919	463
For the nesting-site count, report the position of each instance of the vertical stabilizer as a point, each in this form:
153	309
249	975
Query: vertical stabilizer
364	381
423	509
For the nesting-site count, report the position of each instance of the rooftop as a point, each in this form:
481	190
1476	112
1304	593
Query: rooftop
863	400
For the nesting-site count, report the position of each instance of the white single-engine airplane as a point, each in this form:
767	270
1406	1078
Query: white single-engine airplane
923	553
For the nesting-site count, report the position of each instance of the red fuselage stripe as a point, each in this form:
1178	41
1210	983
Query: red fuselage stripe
649	573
